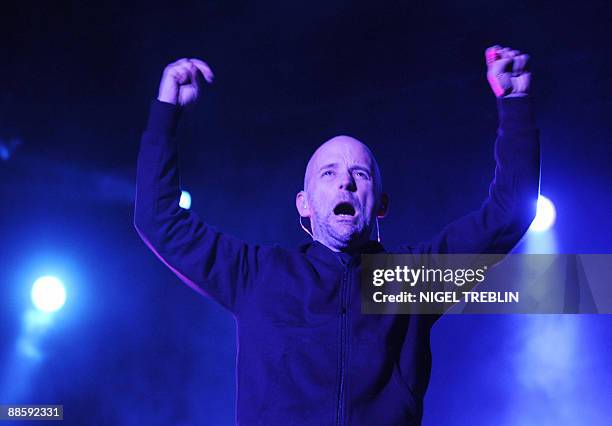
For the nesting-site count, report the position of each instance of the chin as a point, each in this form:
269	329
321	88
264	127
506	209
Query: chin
348	236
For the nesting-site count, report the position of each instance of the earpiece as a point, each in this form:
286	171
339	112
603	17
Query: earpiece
304	228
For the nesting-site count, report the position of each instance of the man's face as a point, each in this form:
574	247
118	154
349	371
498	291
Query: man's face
342	193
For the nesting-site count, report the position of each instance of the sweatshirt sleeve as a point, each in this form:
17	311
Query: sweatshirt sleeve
212	263
506	214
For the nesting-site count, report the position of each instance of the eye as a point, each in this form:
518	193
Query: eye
362	174
327	173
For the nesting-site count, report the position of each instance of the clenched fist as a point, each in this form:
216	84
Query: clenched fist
507	71
182	81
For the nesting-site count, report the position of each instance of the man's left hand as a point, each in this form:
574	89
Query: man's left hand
507	71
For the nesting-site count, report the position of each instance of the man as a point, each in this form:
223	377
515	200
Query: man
307	355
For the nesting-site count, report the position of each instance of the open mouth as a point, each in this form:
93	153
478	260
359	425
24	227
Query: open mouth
344	209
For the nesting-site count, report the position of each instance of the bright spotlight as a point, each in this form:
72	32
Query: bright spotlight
545	216
48	294
185	200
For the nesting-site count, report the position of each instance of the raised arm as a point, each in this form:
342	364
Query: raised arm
212	263
505	215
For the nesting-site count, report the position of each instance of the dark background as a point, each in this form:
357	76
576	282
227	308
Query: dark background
135	346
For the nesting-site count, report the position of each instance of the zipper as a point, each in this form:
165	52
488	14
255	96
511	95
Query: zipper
343	344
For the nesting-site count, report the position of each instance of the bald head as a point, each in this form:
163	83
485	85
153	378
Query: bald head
342	193
343	146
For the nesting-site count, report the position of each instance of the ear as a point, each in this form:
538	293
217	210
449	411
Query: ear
301	203
383	209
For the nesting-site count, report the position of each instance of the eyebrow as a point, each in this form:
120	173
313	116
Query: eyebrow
358	167
328	166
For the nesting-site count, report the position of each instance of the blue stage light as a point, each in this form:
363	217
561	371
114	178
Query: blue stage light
545	216
185	200
48	294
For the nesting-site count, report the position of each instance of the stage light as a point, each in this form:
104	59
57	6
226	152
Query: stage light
545	216
48	294
185	200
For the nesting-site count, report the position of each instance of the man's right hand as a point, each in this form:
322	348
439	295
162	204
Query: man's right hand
182	81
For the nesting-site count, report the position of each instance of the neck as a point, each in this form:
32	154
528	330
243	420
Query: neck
352	247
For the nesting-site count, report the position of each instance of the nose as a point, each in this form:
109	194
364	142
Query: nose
347	182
